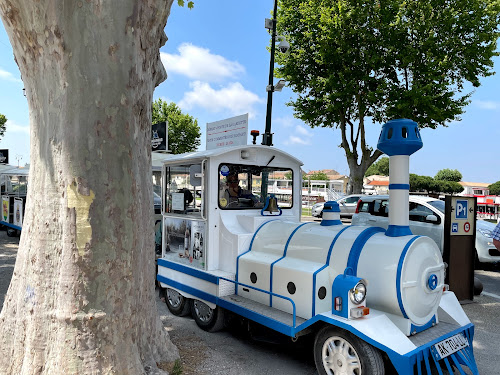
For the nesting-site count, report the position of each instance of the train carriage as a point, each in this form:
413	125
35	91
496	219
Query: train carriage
375	299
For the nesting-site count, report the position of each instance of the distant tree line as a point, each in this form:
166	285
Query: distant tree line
445	181
434	185
495	188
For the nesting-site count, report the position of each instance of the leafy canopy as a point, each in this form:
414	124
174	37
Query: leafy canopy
319	175
380	168
448	175
432	185
356	60
3	120
183	130
495	188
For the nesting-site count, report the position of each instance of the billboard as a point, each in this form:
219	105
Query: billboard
159	137
4	156
229	132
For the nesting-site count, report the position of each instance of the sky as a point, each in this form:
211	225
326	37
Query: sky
218	67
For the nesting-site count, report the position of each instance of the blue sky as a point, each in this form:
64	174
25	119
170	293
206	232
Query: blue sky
218	67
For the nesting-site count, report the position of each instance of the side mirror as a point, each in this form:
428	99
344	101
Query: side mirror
432	219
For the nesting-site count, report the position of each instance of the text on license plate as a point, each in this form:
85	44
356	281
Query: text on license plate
449	346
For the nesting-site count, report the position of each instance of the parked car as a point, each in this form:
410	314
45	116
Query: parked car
427	219
347	206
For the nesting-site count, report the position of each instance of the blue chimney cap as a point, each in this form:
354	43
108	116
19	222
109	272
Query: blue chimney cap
399	137
331	206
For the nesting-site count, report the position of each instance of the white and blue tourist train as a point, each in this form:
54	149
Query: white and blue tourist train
375	299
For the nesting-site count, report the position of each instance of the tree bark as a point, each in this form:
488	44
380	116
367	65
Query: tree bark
81	300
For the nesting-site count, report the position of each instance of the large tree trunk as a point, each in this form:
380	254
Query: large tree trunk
81	300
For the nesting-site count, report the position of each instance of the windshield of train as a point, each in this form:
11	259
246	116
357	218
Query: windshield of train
248	186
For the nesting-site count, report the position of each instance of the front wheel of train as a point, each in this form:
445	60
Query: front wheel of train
208	319
337	351
177	303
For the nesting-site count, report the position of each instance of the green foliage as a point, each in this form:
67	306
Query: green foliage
288	175
183	130
3	120
380	168
448	175
190	4
356	59
177	369
321	176
495	188
432	185
422	183
449	187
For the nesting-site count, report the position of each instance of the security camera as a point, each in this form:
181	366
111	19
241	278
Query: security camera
283	46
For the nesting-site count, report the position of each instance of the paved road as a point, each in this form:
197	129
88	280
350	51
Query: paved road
233	352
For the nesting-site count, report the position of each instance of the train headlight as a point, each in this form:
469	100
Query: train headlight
358	293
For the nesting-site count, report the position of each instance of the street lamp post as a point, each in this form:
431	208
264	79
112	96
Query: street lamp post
267	137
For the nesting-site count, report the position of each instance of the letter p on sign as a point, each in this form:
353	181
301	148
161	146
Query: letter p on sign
461	209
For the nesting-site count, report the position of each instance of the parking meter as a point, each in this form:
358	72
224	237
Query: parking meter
459	245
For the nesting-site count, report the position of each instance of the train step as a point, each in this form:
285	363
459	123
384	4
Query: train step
258	312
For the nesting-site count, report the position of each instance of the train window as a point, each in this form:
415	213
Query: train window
183	195
248	186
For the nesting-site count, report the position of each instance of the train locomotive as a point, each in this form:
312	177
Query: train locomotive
375	299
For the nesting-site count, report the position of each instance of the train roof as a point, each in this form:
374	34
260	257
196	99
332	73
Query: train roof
230	150
11	170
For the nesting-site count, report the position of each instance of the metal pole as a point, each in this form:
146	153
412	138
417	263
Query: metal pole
267	138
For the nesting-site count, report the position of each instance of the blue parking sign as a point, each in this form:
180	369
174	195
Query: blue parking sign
454	228
461	209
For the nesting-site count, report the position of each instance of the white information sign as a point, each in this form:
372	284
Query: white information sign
229	132
178	201
462	216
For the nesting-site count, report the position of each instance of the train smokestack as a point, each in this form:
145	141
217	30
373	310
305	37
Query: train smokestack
399	139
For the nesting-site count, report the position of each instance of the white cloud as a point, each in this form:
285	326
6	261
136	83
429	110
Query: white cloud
8	76
200	64
12	127
287	121
294	140
303	131
300	136
488	104
233	98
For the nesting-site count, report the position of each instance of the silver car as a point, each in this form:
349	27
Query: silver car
347	206
426	218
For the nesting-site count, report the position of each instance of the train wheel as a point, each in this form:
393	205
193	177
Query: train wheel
207	319
339	352
177	303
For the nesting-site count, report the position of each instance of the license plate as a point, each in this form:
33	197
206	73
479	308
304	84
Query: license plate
449	346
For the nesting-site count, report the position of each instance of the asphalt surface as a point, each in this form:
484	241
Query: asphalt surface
235	351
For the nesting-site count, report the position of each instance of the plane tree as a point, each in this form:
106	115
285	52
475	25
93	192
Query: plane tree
81	299
354	63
